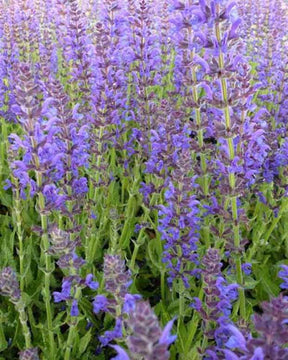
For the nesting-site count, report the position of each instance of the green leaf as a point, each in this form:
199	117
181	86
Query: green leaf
250	283
6	199
84	342
267	282
3	342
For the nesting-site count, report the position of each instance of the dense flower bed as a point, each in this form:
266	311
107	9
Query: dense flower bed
143	179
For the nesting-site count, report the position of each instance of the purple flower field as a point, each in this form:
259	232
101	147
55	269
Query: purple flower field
144	179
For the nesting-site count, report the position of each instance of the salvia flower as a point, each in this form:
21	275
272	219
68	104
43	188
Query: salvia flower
65	293
246	267
118	300
121	353
272	336
29	354
100	303
9	285
117	278
63	247
117	282
73	139
74	308
116	333
90	283
283	274
219	296
71	290
179	225
147	339
41	151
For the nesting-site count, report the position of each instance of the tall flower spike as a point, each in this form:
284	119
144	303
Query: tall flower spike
237	163
117	278
179	222
142	63
216	308
117	282
9	287
73	140
147	339
119	301
41	150
61	243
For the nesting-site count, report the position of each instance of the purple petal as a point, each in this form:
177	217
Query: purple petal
229	355
122	355
90	283
237	340
74	308
166	337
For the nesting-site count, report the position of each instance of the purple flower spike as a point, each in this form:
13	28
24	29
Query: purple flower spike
9	285
117	278
147	339
272	337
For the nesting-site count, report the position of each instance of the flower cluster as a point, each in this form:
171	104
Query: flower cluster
72	139
119	301
63	247
147	340
9	285
167	117
178	225
219	296
272	331
29	354
41	151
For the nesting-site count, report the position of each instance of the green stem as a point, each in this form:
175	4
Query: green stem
47	261
283	208
232	177
163	286
72	329
129	215
134	255
194	325
23	320
181	310
204	180
3	147
17	209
